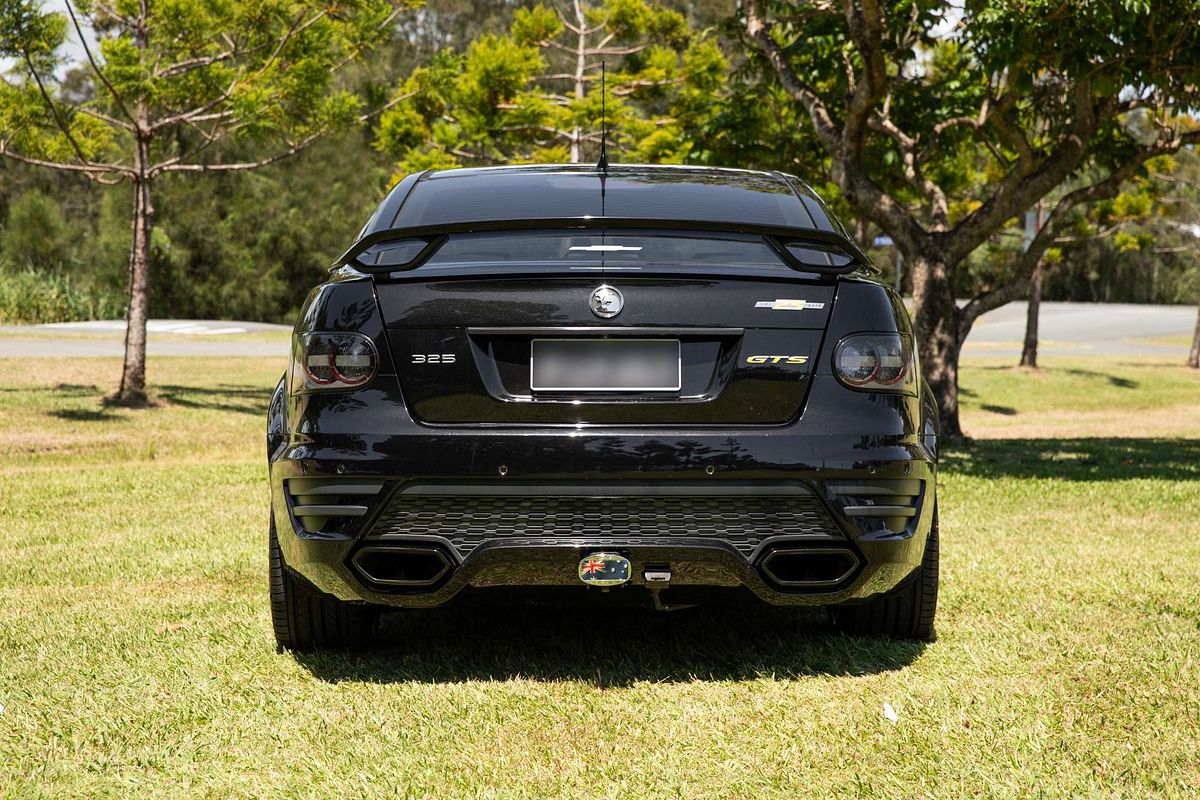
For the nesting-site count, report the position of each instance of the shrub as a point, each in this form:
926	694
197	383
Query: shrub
36	232
30	296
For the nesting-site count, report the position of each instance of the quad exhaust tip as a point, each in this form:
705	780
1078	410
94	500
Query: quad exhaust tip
414	567
809	567
401	567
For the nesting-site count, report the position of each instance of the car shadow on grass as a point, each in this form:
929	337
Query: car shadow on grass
1081	459
610	647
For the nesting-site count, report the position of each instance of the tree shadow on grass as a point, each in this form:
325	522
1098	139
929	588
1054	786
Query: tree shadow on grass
1007	411
1114	380
61	389
102	414
1088	459
222	397
610	646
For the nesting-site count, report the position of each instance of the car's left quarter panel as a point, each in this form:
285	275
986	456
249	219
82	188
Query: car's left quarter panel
332	421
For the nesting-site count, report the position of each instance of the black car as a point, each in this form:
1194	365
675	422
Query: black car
672	385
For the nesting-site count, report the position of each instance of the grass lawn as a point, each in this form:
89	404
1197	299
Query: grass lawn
283	336
1182	340
136	658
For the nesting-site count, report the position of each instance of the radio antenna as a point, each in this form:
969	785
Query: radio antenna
602	166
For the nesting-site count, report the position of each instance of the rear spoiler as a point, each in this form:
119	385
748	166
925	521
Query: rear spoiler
842	254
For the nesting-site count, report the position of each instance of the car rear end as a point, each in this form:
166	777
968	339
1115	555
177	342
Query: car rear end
681	409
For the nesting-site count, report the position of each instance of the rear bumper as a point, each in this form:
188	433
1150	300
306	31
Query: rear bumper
559	469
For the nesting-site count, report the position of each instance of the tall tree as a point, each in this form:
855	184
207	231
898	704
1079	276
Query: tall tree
171	81
529	95
1194	354
1113	217
897	94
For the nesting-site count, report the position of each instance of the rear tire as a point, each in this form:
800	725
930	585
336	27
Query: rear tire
305	619
906	612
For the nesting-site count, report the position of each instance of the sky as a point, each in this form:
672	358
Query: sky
73	50
73	47
953	15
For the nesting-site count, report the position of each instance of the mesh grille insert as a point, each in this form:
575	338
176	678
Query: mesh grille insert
469	520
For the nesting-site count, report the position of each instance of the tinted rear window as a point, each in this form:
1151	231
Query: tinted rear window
461	196
595	250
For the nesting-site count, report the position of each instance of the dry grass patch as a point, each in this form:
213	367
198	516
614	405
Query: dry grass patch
1079	397
206	409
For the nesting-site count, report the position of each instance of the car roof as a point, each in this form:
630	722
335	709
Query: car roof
569	191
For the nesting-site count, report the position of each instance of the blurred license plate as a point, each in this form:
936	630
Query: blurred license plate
604	365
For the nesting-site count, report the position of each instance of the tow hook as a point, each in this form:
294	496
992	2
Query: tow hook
657	579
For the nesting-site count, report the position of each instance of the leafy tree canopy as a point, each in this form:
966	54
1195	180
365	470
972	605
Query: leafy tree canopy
181	75
913	102
168	80
529	94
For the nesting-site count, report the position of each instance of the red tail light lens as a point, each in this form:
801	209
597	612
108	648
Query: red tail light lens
325	361
875	362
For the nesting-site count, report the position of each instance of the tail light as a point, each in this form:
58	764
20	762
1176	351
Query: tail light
876	362
332	361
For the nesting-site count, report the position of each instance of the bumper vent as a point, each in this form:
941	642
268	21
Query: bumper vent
878	504
327	505
616	515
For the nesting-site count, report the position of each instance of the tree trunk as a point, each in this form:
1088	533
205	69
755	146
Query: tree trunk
580	80
862	230
1194	356
936	320
133	372
1029	351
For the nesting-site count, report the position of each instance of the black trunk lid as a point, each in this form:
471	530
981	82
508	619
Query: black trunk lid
747	346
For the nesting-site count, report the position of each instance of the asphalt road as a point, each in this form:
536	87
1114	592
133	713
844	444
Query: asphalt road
1065	328
164	338
1085	328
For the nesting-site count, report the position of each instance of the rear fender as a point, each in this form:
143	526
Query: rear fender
930	419
863	306
346	302
277	419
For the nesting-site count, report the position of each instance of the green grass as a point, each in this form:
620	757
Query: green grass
1080	396
136	657
213	410
1182	340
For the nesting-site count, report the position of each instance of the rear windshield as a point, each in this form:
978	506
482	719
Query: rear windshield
595	250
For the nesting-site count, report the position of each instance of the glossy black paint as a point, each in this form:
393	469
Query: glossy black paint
489	379
476	419
417	301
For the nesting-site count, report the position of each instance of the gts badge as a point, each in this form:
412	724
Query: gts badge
789	360
433	358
